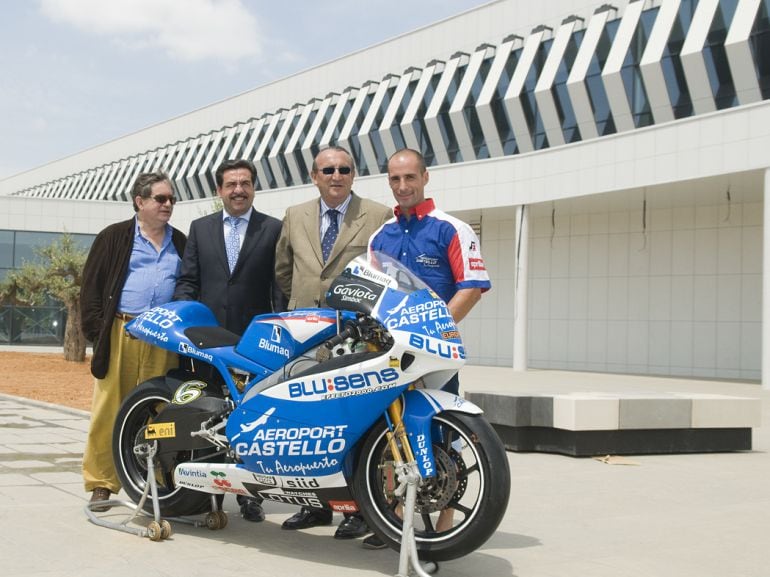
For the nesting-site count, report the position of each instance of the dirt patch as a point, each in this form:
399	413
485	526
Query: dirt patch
47	377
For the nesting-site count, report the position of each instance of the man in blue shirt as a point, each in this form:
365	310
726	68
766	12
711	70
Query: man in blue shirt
131	267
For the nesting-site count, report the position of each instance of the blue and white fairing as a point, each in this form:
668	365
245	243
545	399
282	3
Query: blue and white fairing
308	424
292	422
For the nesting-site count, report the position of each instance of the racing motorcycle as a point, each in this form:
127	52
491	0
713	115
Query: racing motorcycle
324	407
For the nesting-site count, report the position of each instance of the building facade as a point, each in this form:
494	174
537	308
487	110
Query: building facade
613	158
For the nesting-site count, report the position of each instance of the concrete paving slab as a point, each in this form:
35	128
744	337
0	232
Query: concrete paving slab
701	515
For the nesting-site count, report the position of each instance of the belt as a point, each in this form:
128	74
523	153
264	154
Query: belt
124	317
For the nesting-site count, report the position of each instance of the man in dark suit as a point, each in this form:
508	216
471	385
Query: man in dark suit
229	264
236	295
319	238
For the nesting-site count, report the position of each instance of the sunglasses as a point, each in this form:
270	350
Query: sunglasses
330	170
164	198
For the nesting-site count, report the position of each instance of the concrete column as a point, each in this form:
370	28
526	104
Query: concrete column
766	285
520	281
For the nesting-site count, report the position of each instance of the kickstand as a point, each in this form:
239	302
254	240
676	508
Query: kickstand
157	529
409	476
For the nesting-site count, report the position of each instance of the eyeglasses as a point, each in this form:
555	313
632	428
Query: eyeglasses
341	169
164	198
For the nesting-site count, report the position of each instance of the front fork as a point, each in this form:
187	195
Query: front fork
397	433
409	479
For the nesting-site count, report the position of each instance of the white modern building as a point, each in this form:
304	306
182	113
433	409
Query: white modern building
614	157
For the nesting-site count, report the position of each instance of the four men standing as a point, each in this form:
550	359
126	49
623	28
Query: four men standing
241	263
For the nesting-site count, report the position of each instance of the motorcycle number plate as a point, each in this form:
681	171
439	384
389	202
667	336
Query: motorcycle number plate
160	431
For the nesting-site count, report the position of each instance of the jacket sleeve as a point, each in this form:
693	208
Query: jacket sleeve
189	282
284	258
95	273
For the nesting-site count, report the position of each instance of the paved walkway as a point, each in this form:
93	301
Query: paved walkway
655	516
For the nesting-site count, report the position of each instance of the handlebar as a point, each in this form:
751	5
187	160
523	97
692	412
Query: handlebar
349	331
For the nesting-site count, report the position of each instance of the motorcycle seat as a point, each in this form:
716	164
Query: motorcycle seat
208	337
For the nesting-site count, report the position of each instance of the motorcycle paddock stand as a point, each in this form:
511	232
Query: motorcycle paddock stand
408	475
157	529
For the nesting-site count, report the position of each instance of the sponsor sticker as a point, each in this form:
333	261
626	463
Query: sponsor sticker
266	345
476	264
373	275
354	293
294	442
436	347
344	385
160	431
344	506
428	261
188	392
267	480
186	349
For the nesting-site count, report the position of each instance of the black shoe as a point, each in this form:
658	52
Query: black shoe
374	542
351	527
306	518
251	510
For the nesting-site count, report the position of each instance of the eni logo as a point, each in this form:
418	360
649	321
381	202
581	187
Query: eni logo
160	431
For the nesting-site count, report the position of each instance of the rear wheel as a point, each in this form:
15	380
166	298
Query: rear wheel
459	508
139	409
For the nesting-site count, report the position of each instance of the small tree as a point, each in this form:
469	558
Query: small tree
58	275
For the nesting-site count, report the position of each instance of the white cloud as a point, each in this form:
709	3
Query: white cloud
186	30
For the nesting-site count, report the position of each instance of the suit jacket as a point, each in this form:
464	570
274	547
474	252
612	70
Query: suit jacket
299	268
104	275
250	290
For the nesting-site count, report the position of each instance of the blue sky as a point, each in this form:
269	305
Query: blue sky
78	73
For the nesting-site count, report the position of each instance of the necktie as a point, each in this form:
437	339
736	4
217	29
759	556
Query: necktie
331	234
233	241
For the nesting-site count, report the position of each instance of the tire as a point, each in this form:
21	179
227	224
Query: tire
472	477
139	409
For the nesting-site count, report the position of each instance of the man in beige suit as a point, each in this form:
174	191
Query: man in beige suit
300	269
318	239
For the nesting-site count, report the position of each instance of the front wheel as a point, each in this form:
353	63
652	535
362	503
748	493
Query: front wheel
459	508
139	409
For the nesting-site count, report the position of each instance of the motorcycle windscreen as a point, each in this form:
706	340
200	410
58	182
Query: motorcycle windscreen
352	293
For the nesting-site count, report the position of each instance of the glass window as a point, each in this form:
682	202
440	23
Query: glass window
374	135
605	124
355	144
673	72
341	120
445	125
715	56
528	102
760	45
559	90
37	325
641	111
470	114
499	113
5	323
27	242
304	171
395	128
6	248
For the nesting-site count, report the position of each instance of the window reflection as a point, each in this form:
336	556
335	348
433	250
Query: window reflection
41	325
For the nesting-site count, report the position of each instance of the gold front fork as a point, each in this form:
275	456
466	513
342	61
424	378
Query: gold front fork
402	454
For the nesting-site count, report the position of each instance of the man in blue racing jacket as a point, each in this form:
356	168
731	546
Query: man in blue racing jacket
440	249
